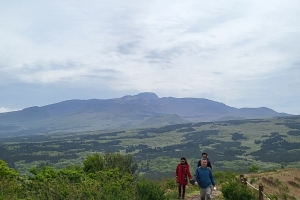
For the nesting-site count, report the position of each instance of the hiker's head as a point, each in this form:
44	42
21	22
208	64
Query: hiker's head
204	155
183	160
203	162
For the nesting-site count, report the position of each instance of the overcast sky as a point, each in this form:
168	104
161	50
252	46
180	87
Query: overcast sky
242	53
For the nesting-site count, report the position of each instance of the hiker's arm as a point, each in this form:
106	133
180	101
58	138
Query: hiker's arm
212	179
196	175
176	173
189	173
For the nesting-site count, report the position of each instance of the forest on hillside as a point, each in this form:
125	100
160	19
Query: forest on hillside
231	145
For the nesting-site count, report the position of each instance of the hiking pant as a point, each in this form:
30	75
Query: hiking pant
181	193
205	193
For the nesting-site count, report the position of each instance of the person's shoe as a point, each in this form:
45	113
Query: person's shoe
178	197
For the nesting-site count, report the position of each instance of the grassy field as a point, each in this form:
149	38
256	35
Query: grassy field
283	184
231	145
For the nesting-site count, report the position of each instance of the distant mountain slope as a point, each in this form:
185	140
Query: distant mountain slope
141	110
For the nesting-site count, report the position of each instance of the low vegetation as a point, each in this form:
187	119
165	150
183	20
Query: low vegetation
233	189
114	176
74	166
107	177
231	145
278	184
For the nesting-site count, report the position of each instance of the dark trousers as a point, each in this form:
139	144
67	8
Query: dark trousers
181	190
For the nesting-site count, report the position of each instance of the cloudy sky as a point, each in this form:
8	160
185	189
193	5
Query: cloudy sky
242	53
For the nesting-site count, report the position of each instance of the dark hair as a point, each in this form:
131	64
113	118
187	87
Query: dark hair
183	158
199	162
204	153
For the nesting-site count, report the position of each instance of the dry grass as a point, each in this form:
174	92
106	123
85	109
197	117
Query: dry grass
278	183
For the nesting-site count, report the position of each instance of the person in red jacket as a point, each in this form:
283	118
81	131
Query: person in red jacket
182	175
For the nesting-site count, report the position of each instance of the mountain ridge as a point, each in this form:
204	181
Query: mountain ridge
130	111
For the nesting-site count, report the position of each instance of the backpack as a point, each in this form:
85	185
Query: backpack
198	172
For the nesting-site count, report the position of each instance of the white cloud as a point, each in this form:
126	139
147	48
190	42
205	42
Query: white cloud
3	110
227	50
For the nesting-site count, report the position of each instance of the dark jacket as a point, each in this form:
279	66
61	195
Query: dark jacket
208	163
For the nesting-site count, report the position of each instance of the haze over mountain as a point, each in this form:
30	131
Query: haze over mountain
141	110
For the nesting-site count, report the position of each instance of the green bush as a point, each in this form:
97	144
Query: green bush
73	183
253	169
234	190
96	162
6	172
149	190
115	184
8	181
93	163
123	162
222	177
169	183
108	177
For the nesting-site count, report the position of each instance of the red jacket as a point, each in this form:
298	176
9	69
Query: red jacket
182	174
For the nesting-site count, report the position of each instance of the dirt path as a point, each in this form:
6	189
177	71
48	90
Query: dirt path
197	196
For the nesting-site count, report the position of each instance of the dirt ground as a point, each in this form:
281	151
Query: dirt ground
275	183
197	196
278	182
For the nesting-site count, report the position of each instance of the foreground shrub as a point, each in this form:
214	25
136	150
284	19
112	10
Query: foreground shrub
96	162
149	190
222	177
8	181
93	163
108	177
234	190
73	183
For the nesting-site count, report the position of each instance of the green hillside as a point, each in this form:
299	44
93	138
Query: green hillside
129	112
231	145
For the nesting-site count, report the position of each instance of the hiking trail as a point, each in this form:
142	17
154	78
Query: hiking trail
213	195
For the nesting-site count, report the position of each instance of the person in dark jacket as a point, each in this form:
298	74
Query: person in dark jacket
204	179
182	174
204	155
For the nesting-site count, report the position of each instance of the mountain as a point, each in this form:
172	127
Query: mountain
141	110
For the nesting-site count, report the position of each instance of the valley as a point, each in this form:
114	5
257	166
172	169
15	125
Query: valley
272	143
